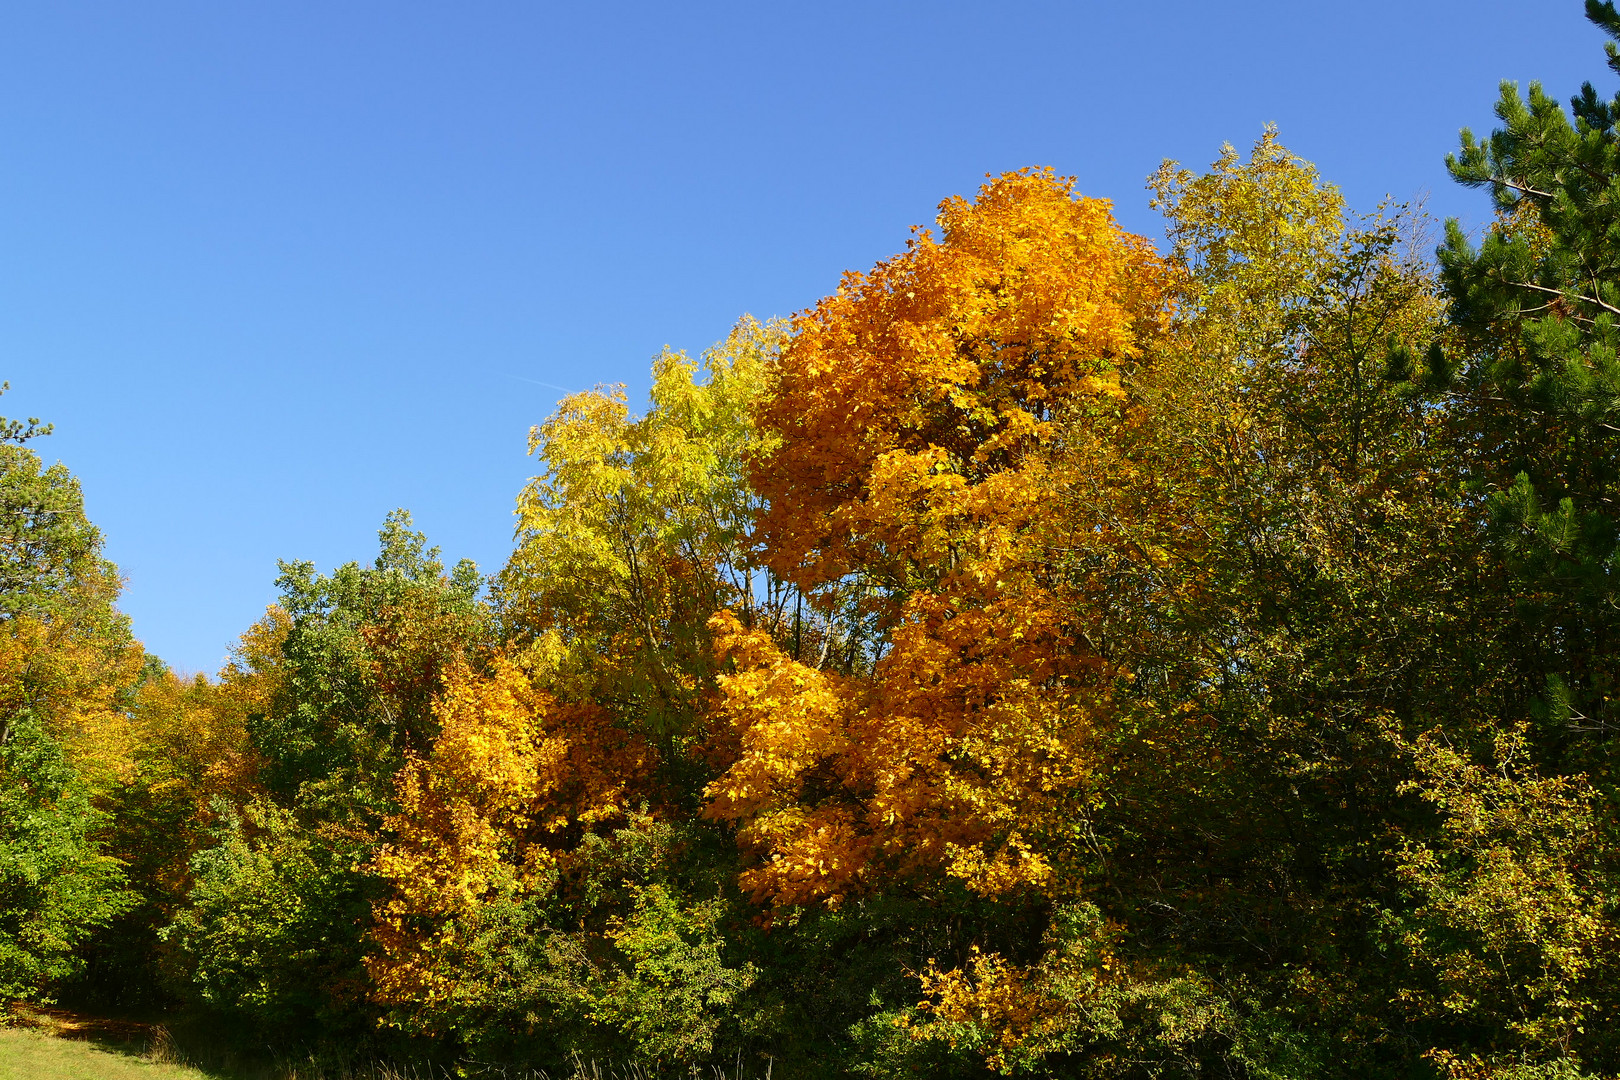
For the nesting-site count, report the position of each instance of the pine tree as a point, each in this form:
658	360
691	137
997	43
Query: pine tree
1535	407
1539	396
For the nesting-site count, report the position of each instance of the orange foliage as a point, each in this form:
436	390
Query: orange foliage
961	350
928	413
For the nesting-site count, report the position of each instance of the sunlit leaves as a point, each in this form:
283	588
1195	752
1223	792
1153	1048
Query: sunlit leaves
917	411
638	530
512	779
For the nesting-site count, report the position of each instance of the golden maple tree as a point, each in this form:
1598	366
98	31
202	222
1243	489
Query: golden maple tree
926	413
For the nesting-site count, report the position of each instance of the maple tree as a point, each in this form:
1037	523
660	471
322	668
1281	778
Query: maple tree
916	411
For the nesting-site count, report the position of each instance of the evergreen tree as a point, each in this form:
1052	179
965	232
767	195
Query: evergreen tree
1538	399
1517	891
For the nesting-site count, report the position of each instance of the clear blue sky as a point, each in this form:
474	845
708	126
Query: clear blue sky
276	269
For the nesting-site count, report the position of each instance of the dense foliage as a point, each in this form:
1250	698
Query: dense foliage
1048	654
66	664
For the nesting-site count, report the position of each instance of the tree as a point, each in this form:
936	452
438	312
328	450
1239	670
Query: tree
1539	384
637	532
1320	602
1251	544
359	667
548	889
335	690
57	885
192	755
916	410
67	663
1517	891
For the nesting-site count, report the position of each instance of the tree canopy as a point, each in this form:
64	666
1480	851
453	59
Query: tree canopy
1051	653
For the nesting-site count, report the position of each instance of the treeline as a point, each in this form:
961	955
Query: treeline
1044	655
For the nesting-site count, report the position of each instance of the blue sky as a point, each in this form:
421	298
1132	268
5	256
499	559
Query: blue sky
276	269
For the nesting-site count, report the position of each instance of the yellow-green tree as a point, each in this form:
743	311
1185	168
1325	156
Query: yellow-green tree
540	864
637	530
67	666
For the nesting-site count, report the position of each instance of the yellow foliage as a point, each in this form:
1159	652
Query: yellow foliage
1257	238
193	734
72	673
1511	915
637	532
991	995
492	812
1014	1014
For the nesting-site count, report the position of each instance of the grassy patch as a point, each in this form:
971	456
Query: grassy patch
33	1055
45	1043
58	1044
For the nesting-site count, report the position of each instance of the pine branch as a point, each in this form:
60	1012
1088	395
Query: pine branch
1594	301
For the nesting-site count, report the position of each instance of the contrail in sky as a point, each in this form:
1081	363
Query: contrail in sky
547	385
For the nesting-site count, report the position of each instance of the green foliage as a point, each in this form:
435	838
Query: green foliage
631	952
43	534
1315	590
337	690
359	668
670	994
65	665
56	886
1539	391
18	432
65	651
48	549
268	929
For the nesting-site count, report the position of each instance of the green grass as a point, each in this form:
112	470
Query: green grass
30	1055
47	1048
